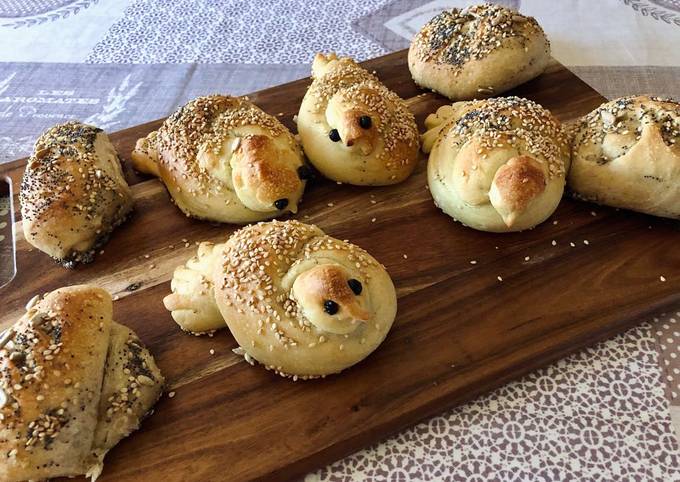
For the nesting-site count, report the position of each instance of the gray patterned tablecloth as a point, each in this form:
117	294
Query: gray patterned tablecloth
603	414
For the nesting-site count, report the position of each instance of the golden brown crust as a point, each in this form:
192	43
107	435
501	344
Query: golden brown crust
279	286
52	368
198	146
497	164
478	51
626	153
73	193
374	138
256	169
519	181
51	375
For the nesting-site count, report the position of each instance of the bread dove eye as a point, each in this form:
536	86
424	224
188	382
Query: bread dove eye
365	122
281	203
304	173
330	307
355	286
334	135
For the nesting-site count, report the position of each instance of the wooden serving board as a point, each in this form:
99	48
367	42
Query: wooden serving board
459	331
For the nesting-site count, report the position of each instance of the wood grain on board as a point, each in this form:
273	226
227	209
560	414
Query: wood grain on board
459	332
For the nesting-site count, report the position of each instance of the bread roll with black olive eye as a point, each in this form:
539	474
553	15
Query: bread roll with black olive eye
73	193
478	51
300	302
192	301
353	129
626	153
498	164
224	159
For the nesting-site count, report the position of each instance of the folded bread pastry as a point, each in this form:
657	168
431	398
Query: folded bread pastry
73	193
73	383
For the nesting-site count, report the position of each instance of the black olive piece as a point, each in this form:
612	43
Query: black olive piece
334	135
365	122
305	173
355	286
330	307
281	203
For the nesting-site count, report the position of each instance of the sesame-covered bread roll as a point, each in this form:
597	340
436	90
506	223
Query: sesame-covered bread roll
73	193
626	153
300	302
478	51
353	129
497	164
73	383
224	159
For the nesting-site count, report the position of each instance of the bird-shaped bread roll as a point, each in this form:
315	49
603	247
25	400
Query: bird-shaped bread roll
353	129
224	159
497	164
626	153
73	193
73	383
300	302
478	51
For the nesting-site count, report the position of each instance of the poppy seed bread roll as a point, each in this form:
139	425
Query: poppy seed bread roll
497	164
626	154
224	159
353	129
477	52
73	193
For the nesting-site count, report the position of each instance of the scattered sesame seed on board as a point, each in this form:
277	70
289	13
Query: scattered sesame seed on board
474	261
555	222
499	278
593	213
212	351
405	256
171	395
586	242
527	258
373	220
573	245
330	205
662	278
553	242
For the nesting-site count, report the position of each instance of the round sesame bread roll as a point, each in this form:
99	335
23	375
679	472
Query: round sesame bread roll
477	52
498	164
626	153
192	301
224	159
300	302
73	193
353	129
